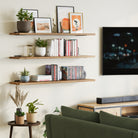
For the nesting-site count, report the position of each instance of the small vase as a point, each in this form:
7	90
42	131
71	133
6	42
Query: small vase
40	51
25	78
19	120
31	117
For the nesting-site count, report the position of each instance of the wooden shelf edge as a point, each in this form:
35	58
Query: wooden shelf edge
57	34
59	57
51	82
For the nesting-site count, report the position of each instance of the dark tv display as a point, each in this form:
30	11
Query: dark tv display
120	50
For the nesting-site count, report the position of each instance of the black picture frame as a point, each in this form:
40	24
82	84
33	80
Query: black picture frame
72	9
41	21
120	51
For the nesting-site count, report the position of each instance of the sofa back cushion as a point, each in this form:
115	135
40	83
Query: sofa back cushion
122	122
79	114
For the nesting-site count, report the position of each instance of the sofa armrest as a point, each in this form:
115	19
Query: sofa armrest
65	127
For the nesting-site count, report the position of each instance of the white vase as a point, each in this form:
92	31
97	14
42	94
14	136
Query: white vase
40	51
31	117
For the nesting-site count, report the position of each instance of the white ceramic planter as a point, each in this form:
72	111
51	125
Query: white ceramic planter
31	117
40	51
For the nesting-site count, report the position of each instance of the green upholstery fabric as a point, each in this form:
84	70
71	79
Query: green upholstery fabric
66	127
135	135
79	114
122	122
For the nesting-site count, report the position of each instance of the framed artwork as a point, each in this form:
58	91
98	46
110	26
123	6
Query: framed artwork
63	21
35	14
76	22
43	25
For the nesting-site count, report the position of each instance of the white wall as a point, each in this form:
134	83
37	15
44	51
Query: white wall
97	13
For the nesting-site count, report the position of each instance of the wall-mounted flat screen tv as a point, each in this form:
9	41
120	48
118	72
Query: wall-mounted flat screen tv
120	50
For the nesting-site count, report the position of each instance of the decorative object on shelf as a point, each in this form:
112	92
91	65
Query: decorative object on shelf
25	76
19	100
43	25
76	22
32	114
63	22
54	27
40	49
24	24
29	51
35	14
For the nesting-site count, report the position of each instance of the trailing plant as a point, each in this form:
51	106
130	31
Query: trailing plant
40	43
24	15
18	113
19	97
32	106
25	73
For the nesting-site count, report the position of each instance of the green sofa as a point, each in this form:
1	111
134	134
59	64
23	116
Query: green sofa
75	123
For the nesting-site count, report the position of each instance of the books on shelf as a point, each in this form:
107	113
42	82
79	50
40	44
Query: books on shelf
62	47
73	72
65	72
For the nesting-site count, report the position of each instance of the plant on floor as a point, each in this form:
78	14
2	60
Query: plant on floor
32	107
24	24
25	76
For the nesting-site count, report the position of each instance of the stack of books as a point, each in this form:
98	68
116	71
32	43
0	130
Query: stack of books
73	72
62	47
53	70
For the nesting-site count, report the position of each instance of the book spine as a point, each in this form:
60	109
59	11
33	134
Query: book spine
75	72
64	72
48	70
77	48
59	48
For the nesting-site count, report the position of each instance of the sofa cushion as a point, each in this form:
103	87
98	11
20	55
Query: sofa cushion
122	122
79	114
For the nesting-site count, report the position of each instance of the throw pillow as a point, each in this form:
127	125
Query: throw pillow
122	122
80	114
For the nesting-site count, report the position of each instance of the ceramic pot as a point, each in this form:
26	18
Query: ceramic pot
25	78
31	117
40	51
19	119
23	26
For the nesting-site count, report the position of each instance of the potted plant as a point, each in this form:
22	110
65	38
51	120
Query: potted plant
24	24
19	117
40	49
32	114
25	76
19	100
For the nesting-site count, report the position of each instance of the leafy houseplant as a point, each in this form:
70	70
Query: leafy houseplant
24	17
40	49
32	114
25	76
19	100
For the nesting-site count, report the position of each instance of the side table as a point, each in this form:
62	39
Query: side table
26	124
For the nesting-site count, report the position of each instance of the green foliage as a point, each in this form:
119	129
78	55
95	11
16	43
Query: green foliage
24	15
41	43
32	106
57	110
45	134
25	73
18	113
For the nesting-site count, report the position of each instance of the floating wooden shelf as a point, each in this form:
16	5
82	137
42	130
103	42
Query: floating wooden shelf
59	57
51	82
55	34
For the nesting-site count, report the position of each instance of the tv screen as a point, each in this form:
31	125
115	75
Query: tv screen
120	50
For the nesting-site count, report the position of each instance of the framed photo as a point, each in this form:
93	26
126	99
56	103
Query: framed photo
35	14
43	25
63	21
76	22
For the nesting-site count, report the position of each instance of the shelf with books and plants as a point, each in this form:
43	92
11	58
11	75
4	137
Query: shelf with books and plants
57	74
54	48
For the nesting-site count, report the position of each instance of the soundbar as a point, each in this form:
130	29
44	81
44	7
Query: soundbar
104	100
